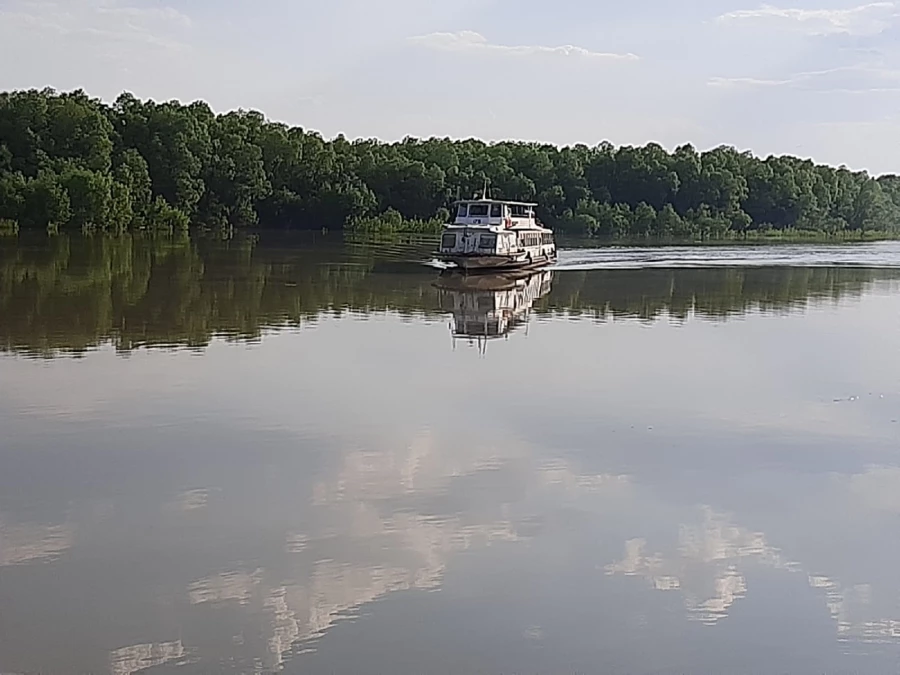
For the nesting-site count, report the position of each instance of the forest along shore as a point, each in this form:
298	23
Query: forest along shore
70	161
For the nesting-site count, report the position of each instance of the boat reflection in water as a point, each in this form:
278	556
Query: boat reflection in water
490	306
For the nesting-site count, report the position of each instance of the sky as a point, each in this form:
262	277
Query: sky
815	78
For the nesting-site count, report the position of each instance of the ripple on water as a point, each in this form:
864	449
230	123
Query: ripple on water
877	254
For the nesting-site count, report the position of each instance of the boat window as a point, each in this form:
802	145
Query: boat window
518	211
448	241
463	209
496	210
488	241
476	210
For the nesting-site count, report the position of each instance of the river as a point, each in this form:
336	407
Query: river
301	454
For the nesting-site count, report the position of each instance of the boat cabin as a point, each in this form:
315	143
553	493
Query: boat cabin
487	212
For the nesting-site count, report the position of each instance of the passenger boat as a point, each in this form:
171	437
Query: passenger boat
490	306
488	234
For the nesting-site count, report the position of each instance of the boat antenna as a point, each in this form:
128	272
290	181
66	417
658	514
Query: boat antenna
485	194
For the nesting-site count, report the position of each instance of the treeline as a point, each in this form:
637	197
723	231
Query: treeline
70	293
71	161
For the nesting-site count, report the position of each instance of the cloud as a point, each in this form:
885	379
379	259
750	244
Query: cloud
108	46
93	21
470	41
869	19
166	15
845	79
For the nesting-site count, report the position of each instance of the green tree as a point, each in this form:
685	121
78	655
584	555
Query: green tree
138	163
45	203
89	197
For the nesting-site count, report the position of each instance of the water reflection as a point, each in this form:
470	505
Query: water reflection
490	306
704	478
71	294
138	658
705	568
25	543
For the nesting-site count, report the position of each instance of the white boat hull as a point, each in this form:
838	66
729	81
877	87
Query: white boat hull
477	262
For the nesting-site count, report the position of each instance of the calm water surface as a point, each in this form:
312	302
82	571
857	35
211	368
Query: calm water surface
280	454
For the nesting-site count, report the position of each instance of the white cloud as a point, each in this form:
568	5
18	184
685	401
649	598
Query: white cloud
846	79
746	82
106	47
103	20
470	41
869	19
166	15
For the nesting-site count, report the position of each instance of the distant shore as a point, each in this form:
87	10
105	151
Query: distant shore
72	162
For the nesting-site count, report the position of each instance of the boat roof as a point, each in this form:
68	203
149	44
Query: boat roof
481	200
498	228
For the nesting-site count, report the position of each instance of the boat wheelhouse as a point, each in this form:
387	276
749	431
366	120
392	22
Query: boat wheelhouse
490	234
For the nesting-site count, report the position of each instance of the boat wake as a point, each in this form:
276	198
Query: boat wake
436	264
878	254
